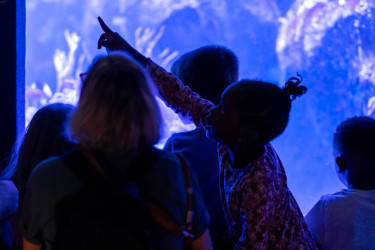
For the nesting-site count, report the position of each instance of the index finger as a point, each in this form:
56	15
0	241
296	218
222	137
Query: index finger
104	26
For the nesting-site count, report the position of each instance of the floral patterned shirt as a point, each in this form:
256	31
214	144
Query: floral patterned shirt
261	211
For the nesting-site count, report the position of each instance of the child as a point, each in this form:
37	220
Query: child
208	71
44	137
259	206
346	219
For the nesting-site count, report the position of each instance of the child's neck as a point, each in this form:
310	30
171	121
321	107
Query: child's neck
362	185
361	180
241	156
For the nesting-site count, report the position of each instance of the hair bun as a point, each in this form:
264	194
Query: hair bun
292	89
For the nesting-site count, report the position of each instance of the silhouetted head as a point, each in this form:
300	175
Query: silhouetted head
117	108
354	152
253	112
207	71
45	136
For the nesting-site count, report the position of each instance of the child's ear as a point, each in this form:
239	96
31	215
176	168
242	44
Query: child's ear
341	164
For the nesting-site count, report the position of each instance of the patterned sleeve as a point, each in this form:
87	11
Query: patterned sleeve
257	212
178	96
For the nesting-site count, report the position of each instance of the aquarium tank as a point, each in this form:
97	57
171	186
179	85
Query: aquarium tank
328	42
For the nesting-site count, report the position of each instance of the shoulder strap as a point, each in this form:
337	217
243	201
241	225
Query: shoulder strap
83	168
166	221
189	194
143	162
90	167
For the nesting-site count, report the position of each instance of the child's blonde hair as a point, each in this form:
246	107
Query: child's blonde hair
117	108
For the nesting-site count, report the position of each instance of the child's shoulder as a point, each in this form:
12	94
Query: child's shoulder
271	155
269	162
339	195
348	196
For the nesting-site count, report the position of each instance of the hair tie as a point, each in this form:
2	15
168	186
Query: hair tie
292	87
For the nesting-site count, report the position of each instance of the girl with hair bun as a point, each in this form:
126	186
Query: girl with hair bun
260	209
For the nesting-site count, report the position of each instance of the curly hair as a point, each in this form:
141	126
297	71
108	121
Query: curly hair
264	106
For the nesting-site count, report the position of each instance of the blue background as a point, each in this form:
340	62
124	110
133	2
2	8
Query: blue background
330	43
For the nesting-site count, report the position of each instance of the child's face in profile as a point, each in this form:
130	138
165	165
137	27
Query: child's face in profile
223	121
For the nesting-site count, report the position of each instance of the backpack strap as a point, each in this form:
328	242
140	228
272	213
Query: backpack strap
90	166
83	168
166	221
147	158
189	196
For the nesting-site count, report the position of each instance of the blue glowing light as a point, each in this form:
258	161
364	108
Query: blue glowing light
329	42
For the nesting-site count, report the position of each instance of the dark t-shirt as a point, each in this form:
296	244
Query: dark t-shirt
201	153
163	185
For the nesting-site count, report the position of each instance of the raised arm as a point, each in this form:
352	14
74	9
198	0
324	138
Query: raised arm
174	93
112	41
179	97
